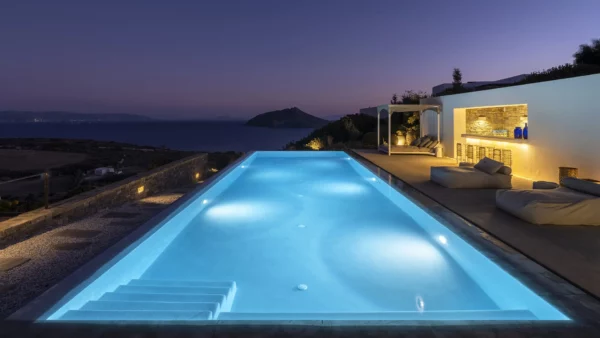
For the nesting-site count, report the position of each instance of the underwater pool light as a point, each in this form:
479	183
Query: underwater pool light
443	239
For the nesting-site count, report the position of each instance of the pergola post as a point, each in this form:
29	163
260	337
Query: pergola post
390	132
378	114
438	123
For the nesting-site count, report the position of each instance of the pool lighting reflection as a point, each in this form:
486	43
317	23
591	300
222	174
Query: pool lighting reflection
443	239
420	304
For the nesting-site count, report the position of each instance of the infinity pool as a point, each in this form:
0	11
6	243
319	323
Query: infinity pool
300	236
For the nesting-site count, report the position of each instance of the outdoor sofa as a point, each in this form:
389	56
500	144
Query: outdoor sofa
576	202
487	174
422	146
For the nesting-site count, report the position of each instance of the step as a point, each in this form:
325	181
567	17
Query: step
184	290
157	282
160	297
79	315
149	306
395	315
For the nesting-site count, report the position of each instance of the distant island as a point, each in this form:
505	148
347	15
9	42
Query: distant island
12	116
287	118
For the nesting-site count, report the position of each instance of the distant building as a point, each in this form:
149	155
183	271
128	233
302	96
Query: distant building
103	171
474	84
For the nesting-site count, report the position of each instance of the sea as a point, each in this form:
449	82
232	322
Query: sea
181	135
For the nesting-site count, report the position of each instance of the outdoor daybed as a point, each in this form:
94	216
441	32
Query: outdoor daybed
577	202
487	174
422	146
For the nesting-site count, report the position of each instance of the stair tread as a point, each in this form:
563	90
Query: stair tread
159	282
187	290
162	297
101	305
91	315
392	315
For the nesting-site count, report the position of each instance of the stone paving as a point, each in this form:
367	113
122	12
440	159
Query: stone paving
30	267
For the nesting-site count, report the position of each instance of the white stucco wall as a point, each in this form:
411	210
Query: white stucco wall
564	124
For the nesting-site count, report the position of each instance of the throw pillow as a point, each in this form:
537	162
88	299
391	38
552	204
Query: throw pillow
489	166
586	187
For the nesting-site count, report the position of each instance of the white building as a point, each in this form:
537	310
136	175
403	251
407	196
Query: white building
103	171
562	118
474	84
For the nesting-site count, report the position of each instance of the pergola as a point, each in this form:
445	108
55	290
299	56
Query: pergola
404	108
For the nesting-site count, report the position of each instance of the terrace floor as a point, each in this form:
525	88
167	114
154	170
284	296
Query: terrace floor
569	251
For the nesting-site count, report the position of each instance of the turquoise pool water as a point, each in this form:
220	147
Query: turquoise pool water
301	235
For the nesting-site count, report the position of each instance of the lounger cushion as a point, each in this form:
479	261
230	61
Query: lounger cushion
583	186
489	166
505	170
426	144
469	178
434	144
561	206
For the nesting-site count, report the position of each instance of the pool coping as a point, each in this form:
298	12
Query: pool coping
583	309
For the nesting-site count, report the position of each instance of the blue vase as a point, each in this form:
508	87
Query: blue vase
518	132
525	132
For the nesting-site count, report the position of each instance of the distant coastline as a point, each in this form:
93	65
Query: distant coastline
15	116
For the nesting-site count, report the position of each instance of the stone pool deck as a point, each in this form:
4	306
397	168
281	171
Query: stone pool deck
30	267
572	252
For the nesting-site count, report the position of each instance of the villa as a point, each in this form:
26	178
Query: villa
333	240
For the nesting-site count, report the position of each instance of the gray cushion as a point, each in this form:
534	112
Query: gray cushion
468	177
505	170
583	186
489	166
433	144
415	141
421	141
426	144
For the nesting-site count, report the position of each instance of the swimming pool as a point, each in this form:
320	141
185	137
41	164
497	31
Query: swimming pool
300	236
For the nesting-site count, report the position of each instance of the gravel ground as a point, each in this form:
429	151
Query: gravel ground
48	265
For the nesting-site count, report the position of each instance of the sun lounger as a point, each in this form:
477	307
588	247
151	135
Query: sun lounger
560	206
467	176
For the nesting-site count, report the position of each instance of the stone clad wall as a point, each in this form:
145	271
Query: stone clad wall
497	118
166	177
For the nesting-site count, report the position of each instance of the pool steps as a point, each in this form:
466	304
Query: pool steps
160	300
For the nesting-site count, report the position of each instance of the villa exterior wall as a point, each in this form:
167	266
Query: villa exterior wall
563	117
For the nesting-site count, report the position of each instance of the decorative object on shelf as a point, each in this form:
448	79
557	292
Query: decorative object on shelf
525	131
482	118
500	133
497	155
507	157
567	172
518	133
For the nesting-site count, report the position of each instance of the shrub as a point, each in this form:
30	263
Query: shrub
370	139
315	144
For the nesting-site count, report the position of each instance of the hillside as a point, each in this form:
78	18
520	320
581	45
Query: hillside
12	116
287	118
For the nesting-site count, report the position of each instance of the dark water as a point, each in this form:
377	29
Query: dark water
183	135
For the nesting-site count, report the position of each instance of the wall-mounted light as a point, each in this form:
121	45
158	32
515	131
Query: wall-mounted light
140	189
197	176
482	118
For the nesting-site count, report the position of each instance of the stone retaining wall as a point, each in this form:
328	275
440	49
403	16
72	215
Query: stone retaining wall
172	175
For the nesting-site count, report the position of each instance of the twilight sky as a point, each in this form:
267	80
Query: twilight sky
206	59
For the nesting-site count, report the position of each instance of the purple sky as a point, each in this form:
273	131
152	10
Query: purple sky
204	59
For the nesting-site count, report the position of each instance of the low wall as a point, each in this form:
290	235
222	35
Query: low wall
166	177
